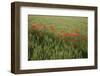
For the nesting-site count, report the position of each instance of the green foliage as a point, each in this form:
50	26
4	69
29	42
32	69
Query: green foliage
47	45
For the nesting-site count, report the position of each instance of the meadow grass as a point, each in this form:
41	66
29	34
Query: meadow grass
57	37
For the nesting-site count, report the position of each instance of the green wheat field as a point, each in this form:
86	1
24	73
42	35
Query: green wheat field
57	37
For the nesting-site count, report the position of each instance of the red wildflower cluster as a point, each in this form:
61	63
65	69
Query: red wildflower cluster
36	26
71	34
62	34
33	26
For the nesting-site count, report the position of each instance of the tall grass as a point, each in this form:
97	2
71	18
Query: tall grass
48	40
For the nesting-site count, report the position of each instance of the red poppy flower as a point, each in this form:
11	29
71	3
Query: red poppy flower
74	34
34	26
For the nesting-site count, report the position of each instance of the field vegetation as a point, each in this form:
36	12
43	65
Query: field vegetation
57	37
